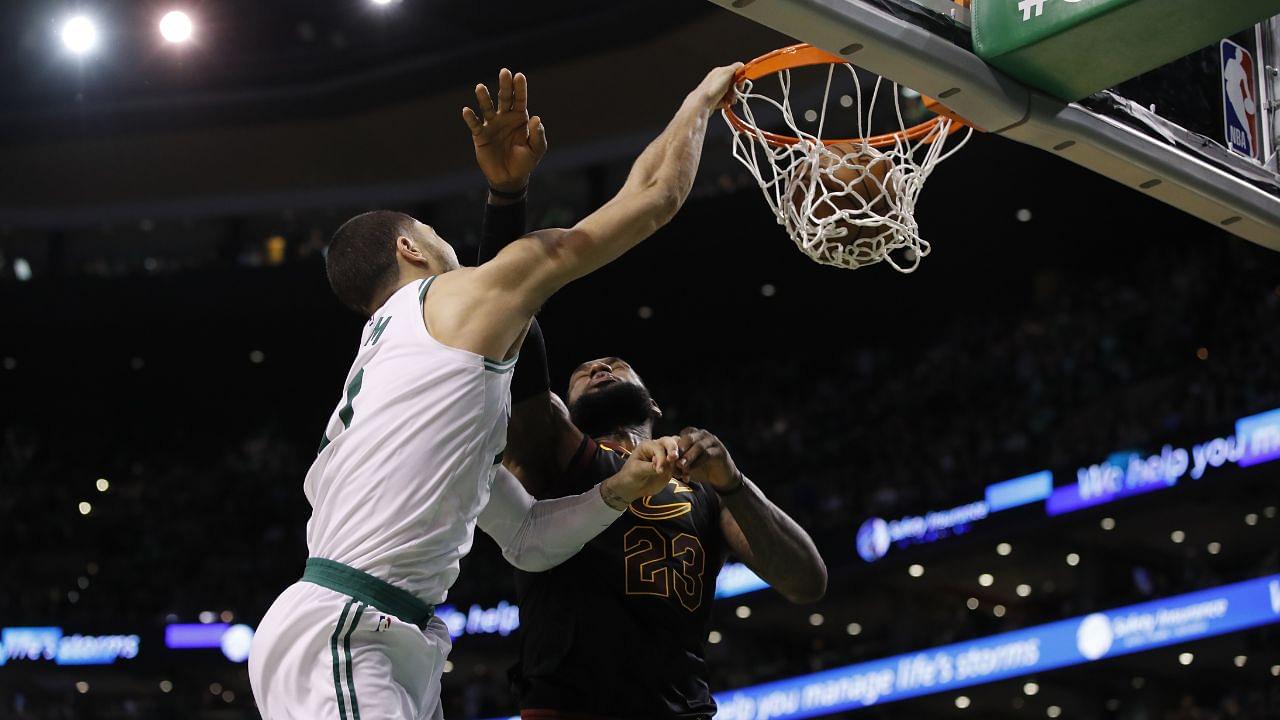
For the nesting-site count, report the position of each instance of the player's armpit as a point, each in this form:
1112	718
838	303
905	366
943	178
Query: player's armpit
463	309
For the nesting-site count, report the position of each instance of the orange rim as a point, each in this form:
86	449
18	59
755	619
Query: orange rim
805	55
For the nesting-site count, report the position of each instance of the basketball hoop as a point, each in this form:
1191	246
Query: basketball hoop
847	202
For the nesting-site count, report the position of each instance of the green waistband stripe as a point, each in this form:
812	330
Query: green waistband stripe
368	589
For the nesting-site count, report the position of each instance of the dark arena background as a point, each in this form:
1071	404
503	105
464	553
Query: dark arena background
1037	468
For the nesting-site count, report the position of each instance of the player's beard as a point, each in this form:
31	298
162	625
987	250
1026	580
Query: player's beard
612	408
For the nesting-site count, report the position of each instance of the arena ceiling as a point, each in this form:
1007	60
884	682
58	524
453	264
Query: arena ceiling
249	59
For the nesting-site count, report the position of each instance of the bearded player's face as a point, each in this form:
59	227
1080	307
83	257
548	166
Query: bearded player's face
595	375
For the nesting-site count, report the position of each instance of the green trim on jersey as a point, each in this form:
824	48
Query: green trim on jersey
422	288
333	649
500	366
352	390
346	651
368	589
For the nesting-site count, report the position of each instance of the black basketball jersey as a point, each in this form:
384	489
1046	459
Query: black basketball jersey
619	630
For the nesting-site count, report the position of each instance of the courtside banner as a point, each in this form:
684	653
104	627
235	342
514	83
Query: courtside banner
1060	644
1076	641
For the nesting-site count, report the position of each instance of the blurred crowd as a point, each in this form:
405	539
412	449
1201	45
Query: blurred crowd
205	515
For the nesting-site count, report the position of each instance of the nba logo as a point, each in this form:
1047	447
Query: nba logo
1239	101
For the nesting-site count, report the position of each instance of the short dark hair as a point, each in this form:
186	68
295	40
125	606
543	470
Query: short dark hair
361	261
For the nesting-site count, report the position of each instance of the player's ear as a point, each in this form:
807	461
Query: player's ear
654	410
408	251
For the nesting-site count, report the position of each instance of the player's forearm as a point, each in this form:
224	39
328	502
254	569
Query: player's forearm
782	552
538	535
504	223
658	184
667	167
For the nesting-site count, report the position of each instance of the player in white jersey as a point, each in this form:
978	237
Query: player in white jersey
410	460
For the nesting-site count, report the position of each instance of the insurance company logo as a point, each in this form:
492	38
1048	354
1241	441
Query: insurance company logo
873	539
1094	636
36	644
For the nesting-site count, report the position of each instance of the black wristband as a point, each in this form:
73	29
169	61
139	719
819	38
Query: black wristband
508	195
742	482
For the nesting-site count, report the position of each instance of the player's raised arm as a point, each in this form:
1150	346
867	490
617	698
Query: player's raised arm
655	189
498	298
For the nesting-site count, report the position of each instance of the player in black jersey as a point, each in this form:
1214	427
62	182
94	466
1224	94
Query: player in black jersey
618	631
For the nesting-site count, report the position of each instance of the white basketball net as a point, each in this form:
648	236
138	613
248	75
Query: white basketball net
847	210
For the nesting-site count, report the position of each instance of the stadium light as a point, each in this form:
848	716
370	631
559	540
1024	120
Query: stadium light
743	612
1004	549
1073	559
962	702
1053	711
1108	523
1177	536
853	629
382	2
176	27
916	570
1215	548
85	508
816	619
714	637
1241	660
986	580
79	35
1030	688
1186	658
102	484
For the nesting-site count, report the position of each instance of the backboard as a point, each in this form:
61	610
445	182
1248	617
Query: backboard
1199	133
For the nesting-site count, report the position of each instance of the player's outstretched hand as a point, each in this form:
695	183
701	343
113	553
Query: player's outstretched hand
716	89
704	459
647	471
509	144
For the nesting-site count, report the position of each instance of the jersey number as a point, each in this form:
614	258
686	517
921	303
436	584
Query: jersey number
653	568
347	411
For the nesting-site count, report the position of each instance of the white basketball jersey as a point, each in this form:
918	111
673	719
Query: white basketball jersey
409	455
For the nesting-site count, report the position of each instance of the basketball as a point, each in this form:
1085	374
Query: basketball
862	180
